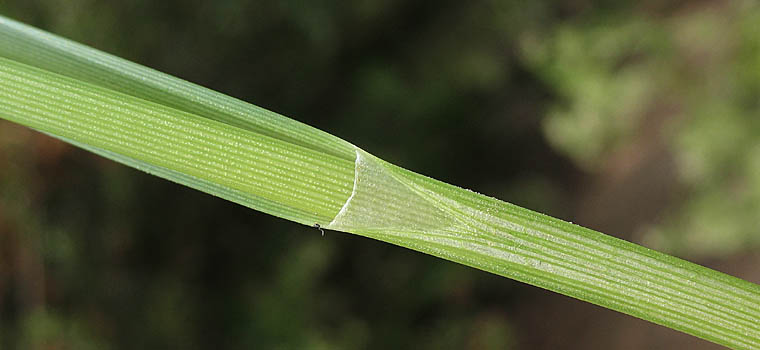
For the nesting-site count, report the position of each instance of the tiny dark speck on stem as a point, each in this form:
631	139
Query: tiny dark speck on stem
316	225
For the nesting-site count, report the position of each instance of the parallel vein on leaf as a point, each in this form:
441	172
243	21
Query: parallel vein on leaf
241	159
633	278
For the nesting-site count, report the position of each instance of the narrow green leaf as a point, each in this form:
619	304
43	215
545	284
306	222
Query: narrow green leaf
262	172
40	49
234	150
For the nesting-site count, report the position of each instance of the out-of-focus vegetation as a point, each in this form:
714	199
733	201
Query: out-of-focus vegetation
637	120
693	78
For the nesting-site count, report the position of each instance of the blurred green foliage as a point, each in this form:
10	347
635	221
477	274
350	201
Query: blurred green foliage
698	70
607	74
535	103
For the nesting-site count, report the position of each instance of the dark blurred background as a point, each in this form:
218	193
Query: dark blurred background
638	120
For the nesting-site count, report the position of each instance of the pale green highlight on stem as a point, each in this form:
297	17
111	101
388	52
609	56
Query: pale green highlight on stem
234	150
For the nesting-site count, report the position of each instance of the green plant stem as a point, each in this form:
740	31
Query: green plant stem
495	236
257	158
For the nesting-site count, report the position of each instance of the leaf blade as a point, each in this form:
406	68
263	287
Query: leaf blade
302	179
